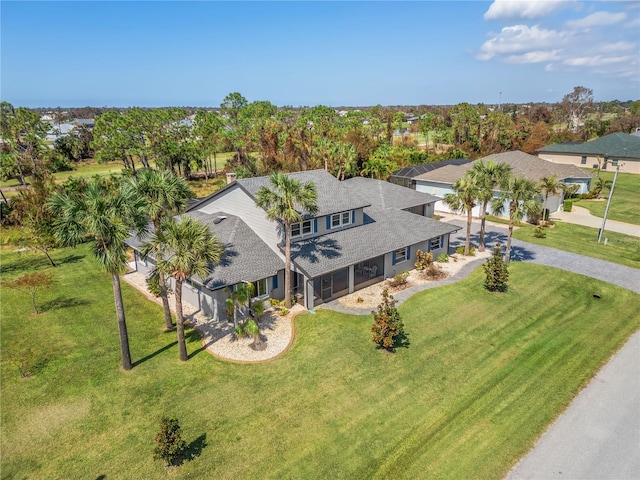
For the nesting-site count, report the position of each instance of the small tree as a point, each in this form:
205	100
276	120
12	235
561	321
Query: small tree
423	260
496	270
170	445
30	283
387	325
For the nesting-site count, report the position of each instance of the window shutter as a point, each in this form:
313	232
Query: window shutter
275	281
393	257
315	225
328	222
408	253
353	216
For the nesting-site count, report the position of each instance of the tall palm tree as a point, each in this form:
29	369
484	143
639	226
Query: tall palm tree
281	201
521	195
102	214
464	199
487	175
165	194
190	249
551	186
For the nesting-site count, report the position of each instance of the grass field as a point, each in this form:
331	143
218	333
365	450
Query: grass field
622	249
624	203
481	378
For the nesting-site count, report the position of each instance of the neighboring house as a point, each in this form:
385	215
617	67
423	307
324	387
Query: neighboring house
616	148
59	130
405	176
365	230
440	181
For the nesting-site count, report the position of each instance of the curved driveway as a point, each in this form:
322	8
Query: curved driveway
598	436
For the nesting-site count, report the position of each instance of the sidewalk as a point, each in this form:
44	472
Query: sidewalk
582	216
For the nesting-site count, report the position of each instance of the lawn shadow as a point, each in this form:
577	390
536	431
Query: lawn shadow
62	302
194	449
402	341
29	261
157	352
192	337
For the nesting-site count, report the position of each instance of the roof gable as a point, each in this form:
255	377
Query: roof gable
381	194
617	144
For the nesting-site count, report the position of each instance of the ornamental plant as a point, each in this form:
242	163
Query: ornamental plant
170	446
387	326
497	272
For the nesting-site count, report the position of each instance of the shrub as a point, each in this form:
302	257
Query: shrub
460	251
387	326
437	217
360	300
568	205
539	232
423	259
496	271
399	279
442	258
170	445
284	312
435	272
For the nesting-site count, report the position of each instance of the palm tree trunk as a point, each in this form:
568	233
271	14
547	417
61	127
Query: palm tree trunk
287	268
467	245
483	219
122	324
507	253
182	346
168	322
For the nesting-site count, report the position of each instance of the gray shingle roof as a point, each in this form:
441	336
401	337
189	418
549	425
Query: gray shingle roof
522	164
382	194
333	195
619	145
385	231
246	257
415	170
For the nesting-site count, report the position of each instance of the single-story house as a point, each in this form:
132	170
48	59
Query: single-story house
364	231
439	182
406	175
616	148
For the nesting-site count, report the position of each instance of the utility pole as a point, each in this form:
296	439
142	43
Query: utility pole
606	210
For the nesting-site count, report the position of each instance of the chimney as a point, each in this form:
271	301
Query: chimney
231	177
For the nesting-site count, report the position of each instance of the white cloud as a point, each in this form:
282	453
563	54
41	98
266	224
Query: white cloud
596	61
597	19
519	38
618	47
635	23
510	9
534	57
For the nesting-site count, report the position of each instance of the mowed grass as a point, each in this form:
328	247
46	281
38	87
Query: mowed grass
624	203
483	376
620	248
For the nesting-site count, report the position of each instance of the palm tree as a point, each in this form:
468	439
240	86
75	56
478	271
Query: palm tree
487	175
551	186
464	199
104	215
280	202
191	250
238	300
165	194
521	194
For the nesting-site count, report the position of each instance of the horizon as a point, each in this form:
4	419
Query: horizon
302	54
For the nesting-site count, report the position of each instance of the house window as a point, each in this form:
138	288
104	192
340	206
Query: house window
301	228
401	255
583	160
340	219
435	243
261	288
614	162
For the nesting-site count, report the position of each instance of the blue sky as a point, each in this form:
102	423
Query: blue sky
307	53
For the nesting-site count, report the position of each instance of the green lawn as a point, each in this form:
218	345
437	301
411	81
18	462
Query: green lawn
483	376
622	249
624	203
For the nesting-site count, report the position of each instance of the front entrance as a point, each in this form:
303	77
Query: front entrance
331	285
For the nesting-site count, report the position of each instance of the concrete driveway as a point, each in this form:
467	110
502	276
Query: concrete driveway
598	436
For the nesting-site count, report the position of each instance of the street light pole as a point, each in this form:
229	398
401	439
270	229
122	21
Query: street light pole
606	210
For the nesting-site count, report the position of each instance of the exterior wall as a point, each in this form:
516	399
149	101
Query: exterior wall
440	190
235	201
143	266
584	184
631	165
357	219
429	209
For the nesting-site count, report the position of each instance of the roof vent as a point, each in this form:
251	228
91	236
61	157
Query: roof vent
217	220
